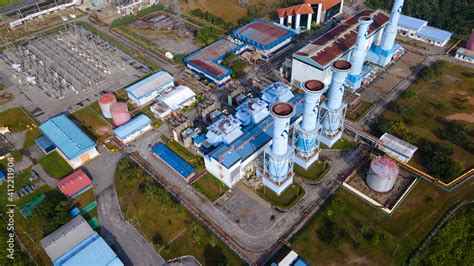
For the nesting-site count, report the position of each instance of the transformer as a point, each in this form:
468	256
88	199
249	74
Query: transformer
333	110
120	113
278	158
355	77
105	101
306	141
382	174
383	53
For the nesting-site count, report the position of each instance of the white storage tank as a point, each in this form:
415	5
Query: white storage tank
105	101
382	174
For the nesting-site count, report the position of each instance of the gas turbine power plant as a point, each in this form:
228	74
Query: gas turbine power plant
355	77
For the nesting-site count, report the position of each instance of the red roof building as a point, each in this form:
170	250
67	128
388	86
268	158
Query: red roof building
302	9
327	4
303	15
75	184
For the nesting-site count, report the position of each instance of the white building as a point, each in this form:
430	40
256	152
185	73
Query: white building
133	129
225	130
397	148
149	88
418	29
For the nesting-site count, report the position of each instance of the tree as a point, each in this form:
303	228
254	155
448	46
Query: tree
158	239
208	35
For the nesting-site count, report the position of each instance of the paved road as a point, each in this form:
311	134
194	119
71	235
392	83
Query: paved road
130	245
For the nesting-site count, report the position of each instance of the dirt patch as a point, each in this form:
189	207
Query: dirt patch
469	118
104	131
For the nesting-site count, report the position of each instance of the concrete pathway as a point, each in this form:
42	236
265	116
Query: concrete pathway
51	182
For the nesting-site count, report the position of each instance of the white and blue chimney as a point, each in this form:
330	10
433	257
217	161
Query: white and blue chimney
382	54
306	141
355	77
333	110
278	158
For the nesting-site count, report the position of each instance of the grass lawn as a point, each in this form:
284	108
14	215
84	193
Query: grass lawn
166	223
210	187
5	3
315	172
194	160
90	117
84	199
18	120
286	200
427	106
15	154
361	110
347	230
342	144
55	165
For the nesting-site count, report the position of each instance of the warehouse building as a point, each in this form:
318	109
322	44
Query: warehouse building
149	88
133	129
173	101
75	184
71	142
397	148
418	29
467	54
315	59
178	164
303	15
75	243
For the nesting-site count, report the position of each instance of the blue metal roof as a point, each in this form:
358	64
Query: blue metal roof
200	138
434	34
254	138
67	136
263	35
411	23
92	251
149	84
2	176
173	160
132	126
44	143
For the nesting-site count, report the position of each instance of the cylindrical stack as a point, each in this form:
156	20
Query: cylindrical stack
306	140
340	70
358	55
382	174
105	102
281	113
120	113
388	37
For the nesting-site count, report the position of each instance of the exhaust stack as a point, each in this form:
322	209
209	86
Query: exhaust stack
390	33
358	55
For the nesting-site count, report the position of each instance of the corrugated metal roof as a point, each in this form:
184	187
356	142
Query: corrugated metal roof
263	35
401	147
177	97
144	87
66	237
92	251
411	23
301	9
131	127
74	183
67	136
173	160
434	34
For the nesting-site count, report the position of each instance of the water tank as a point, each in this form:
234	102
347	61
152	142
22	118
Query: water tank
105	101
120	113
382	174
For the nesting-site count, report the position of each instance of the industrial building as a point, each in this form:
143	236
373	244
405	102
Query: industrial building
75	243
75	184
174	161
257	36
418	29
133	129
467	54
277	92
71	142
253	110
397	148
303	15
149	88
173	101
224	131
315	59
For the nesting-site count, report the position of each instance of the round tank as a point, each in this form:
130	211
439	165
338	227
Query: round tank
120	113
382	174
105	101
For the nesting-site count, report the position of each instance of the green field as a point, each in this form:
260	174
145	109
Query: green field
18	120
315	172
347	230
5	3
437	109
342	144
210	187
286	200
55	165
166	223
361	110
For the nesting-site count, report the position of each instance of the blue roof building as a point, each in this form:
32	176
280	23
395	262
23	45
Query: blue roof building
92	251
73	144
174	161
2	176
133	128
418	29
148	89
45	144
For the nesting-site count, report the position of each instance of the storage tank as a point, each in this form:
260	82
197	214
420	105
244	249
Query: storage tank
105	101
382	174
120	113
